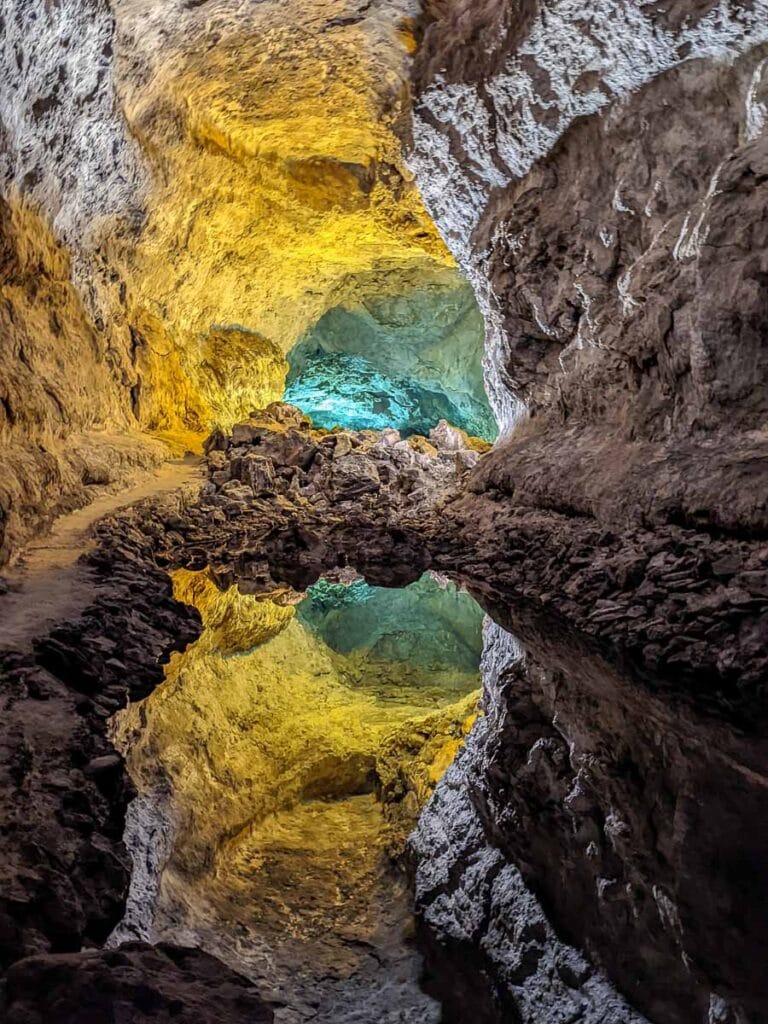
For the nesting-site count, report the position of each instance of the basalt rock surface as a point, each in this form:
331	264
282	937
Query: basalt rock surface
618	808
621	808
65	788
185	190
642	684
130	985
599	172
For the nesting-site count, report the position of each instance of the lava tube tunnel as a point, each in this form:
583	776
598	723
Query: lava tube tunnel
383	512
280	285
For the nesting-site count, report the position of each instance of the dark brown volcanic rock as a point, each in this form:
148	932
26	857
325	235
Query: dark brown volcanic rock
613	226
601	173
130	985
684	609
451	34
63	869
625	812
644	690
608	203
661	420
622	812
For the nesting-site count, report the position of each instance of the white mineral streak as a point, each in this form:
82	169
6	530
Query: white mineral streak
149	837
586	331
689	243
587	328
648	208
618	203
66	142
721	1012
756	110
614	40
544	328
622	286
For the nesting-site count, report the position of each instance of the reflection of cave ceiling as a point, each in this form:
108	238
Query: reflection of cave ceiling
274	705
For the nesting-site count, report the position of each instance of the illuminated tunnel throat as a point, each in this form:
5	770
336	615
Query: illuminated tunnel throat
405	361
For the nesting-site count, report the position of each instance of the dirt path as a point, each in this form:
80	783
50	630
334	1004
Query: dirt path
50	584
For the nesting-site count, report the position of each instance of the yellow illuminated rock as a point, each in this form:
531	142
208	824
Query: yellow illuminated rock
414	757
277	187
260	714
234	174
282	764
233	621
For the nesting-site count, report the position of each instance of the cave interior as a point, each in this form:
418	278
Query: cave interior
383	512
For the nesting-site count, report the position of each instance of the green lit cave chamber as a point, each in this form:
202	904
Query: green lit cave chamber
423	639
404	360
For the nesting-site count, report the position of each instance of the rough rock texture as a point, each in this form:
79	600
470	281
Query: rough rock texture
607	202
185	188
643	684
620	808
313	492
308	906
491	952
130	985
563	168
57	383
65	789
420	350
256	833
65	869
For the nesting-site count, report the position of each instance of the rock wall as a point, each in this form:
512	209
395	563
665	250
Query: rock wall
491	950
68	171
599	172
632	729
605	199
137	983
585	804
65	790
176	213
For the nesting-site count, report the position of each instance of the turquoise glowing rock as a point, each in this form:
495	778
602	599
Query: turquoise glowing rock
339	390
430	626
403	360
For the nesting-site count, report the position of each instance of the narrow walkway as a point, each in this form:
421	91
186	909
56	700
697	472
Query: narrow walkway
50	584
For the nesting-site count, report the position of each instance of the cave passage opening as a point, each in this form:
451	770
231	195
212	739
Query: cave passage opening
406	361
280	768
